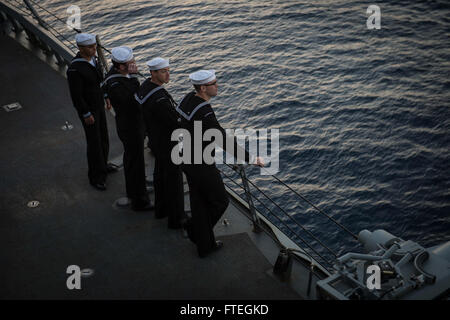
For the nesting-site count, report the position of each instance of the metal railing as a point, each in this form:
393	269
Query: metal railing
56	44
314	248
23	17
23	21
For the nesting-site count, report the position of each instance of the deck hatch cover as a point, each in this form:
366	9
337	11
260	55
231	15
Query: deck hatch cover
33	204
12	107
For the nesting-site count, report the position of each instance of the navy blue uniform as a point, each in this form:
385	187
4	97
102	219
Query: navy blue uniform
160	117
130	129
87	97
208	196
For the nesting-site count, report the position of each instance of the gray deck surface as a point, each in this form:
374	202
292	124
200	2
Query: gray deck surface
134	255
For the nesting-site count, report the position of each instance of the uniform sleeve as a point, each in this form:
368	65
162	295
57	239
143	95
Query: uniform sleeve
121	94
164	110
76	92
105	91
209	121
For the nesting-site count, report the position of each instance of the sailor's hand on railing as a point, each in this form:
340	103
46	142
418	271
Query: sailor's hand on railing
259	161
108	104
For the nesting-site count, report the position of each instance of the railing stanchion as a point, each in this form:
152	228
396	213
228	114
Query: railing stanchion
255	218
36	15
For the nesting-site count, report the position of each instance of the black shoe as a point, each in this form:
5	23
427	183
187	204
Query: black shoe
110	168
218	246
145	207
99	186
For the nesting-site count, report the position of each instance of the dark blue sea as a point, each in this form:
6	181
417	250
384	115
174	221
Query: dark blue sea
363	115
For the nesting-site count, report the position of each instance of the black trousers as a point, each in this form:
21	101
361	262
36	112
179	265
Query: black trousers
169	193
132	138
97	146
209	201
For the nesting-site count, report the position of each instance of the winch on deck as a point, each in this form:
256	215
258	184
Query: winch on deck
392	269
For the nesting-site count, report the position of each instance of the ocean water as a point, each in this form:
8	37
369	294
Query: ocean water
363	115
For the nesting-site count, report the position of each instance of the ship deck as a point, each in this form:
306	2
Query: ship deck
133	255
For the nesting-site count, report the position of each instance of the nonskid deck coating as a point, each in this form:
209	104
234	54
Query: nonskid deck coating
133	255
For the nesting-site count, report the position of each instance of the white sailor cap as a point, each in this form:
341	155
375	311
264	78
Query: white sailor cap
85	39
202	76
121	54
158	63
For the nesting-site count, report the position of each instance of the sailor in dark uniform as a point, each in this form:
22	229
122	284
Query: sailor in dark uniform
84	76
120	85
208	197
160	120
